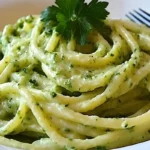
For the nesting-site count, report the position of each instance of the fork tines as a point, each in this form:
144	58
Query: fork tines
139	16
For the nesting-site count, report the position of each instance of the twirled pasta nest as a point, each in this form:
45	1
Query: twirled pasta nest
94	96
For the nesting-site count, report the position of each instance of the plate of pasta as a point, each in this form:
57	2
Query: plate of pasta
74	75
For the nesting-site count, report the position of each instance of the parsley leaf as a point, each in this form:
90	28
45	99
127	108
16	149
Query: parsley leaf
76	19
67	6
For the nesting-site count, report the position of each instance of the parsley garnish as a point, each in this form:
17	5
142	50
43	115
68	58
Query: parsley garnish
75	19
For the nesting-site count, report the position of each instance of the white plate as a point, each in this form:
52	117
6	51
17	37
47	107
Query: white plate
10	10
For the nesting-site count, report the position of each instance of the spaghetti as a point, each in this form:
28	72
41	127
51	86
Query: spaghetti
62	95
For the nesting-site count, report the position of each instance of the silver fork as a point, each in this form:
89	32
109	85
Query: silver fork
139	16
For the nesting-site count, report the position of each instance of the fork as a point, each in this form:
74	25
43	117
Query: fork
139	16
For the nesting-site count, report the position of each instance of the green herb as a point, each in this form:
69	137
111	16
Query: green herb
41	108
131	84
131	129
34	82
117	74
53	94
107	130
9	103
67	130
66	105
25	70
87	76
134	65
28	118
76	19
63	57
20	117
15	33
112	54
71	66
126	78
126	125
54	57
37	104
